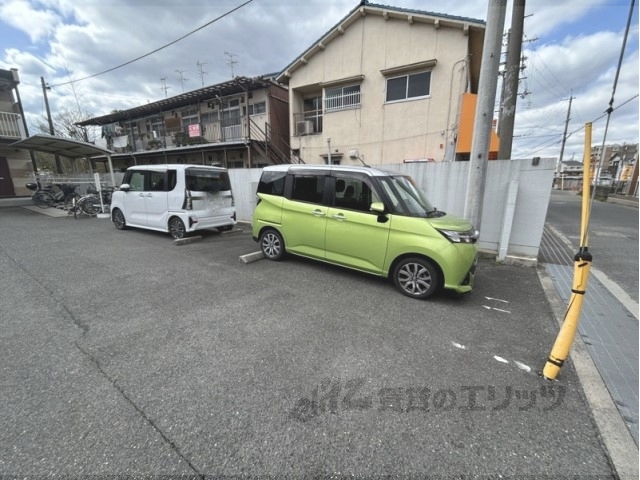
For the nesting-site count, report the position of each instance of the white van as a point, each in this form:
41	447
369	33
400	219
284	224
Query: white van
174	198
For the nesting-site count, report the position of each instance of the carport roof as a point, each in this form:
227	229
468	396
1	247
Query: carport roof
65	147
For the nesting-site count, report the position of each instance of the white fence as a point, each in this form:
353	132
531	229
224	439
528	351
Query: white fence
514	207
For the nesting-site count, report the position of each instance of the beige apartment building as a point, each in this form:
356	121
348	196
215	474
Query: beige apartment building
387	85
16	166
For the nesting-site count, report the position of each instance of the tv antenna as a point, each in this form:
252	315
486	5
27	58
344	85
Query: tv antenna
164	86
181	79
231	62
202	73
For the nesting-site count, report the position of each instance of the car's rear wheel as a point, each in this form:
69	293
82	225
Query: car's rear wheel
272	245
416	277
176	228
118	219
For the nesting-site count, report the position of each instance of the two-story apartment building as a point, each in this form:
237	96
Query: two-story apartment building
239	123
16	166
387	85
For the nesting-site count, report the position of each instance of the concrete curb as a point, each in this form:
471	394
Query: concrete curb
251	257
616	437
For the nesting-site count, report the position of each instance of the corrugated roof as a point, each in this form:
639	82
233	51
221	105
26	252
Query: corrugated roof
237	85
65	147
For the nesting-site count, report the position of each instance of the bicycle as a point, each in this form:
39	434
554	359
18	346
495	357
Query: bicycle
91	203
46	197
40	197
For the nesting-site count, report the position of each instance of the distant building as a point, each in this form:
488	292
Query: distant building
16	167
239	123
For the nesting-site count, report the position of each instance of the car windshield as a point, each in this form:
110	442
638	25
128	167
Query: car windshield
205	180
406	198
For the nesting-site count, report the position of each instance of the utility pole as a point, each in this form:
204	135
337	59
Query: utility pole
511	81
564	136
46	87
489	69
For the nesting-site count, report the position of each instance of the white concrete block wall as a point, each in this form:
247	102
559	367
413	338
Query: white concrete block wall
445	184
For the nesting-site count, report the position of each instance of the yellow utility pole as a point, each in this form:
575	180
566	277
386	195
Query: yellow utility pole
581	267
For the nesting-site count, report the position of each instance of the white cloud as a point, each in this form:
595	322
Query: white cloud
573	51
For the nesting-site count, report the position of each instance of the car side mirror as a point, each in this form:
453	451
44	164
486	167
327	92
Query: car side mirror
377	207
125	187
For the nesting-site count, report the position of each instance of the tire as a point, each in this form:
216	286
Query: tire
176	228
90	205
42	199
117	217
226	228
272	245
416	278
69	204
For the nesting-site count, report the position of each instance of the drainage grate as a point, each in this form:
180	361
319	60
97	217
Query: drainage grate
553	250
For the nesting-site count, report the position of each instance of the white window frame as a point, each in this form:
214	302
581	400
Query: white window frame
252	108
406	95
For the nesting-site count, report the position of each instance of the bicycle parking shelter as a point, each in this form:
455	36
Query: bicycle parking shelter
64	147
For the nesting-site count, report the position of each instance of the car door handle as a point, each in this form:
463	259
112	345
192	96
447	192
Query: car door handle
141	194
339	216
319	213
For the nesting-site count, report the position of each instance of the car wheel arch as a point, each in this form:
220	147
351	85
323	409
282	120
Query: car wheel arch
429	259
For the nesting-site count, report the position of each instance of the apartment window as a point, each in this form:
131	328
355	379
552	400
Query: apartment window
340	98
404	87
157	127
312	108
231	113
257	108
190	117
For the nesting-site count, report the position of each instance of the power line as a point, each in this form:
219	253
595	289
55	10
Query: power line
157	49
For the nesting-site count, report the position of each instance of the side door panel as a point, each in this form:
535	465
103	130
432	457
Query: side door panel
304	216
356	239
157	199
355	236
135	200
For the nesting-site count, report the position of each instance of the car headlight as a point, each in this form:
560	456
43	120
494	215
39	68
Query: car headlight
455	236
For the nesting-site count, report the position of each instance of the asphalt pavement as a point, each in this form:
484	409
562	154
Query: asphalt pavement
124	354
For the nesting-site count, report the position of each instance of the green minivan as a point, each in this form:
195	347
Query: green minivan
366	219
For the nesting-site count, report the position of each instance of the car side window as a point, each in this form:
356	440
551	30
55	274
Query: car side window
272	183
171	179
354	192
156	182
136	182
308	188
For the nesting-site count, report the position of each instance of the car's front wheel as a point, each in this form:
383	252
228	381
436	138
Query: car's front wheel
416	278
118	219
176	228
272	245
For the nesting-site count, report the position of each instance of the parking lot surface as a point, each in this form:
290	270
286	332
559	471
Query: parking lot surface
124	354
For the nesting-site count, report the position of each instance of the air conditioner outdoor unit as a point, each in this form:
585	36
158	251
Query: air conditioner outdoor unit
304	128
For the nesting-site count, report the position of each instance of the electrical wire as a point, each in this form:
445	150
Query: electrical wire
156	50
609	111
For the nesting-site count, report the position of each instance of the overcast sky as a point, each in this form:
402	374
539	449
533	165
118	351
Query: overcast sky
572	48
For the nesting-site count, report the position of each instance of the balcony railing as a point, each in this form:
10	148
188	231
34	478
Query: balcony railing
11	126
210	132
342	101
